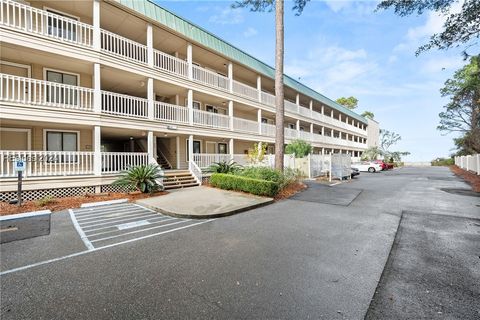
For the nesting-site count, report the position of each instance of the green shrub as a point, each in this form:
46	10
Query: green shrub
144	178
225	167
299	147
245	184
262	173
46	201
443	162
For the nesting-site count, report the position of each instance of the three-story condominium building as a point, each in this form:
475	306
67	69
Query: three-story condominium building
88	88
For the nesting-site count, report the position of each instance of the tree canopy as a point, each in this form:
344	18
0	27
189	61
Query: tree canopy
268	5
368	114
460	28
350	102
462	113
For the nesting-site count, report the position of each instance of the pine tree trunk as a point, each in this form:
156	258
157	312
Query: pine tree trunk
279	94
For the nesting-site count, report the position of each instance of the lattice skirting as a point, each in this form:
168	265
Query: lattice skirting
112	188
29	195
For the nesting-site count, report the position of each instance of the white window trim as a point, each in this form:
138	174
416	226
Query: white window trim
18	65
217	108
226	147
28	131
59	130
186	147
45	70
67	15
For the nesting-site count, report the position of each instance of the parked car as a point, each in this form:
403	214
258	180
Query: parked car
385	166
355	172
366	166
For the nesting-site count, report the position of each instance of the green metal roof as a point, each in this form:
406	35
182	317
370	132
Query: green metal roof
190	30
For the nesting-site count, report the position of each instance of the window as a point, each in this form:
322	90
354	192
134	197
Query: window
59	27
196	105
222	148
264	120
62	141
210	108
197	148
302	129
291	126
61	95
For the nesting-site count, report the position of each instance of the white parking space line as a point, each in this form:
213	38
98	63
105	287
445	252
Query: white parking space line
109	224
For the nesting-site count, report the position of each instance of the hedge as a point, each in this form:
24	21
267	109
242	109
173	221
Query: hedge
239	183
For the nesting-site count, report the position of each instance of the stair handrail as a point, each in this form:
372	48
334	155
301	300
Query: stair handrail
164	157
195	170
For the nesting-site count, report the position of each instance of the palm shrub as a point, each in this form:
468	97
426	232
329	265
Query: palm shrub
225	167
145	178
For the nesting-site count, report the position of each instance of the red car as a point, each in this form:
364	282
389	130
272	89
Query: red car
385	166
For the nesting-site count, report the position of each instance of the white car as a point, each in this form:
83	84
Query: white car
366	166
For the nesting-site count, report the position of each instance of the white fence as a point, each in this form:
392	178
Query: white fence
115	162
205	160
469	163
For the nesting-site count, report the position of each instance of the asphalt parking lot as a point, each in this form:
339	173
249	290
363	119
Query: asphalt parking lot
294	259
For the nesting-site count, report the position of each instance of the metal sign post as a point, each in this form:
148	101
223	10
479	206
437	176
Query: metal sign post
19	167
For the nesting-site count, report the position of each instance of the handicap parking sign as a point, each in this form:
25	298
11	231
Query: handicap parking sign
19	165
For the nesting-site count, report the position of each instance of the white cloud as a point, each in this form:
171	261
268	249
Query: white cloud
250	32
350	6
443	63
227	16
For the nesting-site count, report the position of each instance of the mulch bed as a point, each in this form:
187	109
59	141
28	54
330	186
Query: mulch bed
472	178
59	204
290	190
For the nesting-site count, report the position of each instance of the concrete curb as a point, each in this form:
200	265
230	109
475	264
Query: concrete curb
102	203
208	216
24	215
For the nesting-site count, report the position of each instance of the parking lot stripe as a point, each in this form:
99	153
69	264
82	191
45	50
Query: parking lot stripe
98	215
87	211
117	230
161	218
88	223
99	248
84	238
108	222
137	231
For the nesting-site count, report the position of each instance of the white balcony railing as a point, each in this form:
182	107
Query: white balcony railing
304	135
28	19
305	112
124	105
290	106
44	93
170	63
205	160
245	125
210	78
244	90
210	119
120	46
171	113
291	133
47	163
268	99
115	162
268	130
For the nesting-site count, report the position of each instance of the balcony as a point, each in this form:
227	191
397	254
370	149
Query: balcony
67	163
29	20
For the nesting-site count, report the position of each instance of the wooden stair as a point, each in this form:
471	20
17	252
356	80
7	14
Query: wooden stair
162	162
176	179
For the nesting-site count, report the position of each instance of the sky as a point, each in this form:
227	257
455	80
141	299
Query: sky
345	48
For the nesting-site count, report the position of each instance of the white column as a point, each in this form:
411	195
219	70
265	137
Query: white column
190	147
297	102
230	76
259	119
339	117
346	136
230	114
311	129
331	113
190	106
190	60
323	109
96	25
323	151
231	147
97	156
151	99
323	131
177	145
150	45
150	149
298	125
346	119
177	99
259	88
97	93
311	108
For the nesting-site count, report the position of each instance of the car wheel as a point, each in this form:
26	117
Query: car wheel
371	169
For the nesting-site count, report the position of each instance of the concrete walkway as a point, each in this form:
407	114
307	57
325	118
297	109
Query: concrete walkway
203	203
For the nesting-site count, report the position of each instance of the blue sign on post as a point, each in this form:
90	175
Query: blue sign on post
19	165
